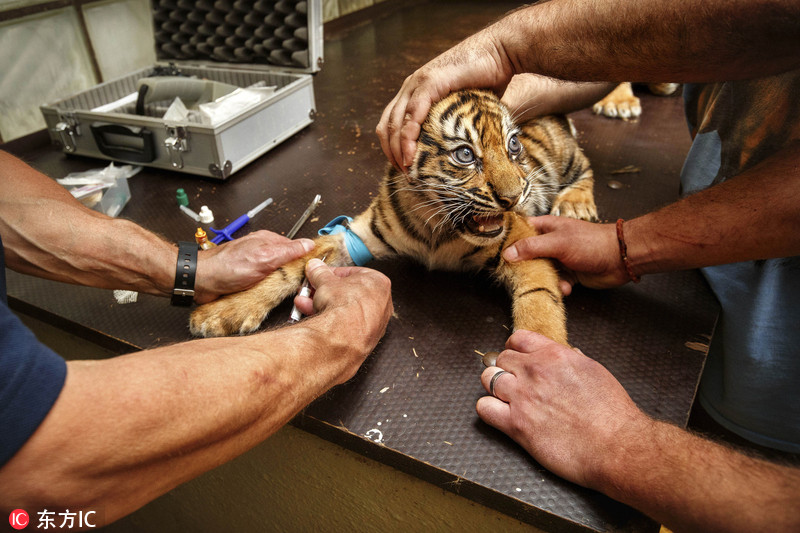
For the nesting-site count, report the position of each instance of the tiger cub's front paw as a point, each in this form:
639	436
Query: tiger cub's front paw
575	204
226	316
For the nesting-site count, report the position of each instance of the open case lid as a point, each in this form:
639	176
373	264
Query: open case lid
282	34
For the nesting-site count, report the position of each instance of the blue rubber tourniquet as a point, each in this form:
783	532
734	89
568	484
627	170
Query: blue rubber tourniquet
358	251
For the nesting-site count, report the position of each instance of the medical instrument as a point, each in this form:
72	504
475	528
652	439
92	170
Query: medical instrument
300	221
227	232
305	290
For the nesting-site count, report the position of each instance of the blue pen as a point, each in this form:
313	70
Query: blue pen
227	232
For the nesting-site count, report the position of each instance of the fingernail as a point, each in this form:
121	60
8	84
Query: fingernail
511	253
314	264
408	159
308	244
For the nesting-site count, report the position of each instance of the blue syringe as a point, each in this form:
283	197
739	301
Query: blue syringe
226	234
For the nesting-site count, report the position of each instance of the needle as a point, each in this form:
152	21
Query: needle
305	290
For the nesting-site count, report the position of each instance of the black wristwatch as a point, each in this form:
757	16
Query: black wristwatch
185	270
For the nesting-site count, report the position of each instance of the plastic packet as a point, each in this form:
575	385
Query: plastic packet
234	103
102	189
109	174
177	111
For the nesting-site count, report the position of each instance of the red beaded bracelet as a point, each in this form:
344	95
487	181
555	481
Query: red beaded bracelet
623	253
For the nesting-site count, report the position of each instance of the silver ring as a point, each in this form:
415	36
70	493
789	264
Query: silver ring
493	380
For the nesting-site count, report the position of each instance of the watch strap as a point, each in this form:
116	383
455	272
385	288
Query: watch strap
185	271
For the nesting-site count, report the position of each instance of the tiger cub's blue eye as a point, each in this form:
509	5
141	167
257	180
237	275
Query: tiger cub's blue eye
514	146
464	155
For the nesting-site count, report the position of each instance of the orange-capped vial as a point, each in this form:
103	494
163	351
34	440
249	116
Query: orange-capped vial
202	239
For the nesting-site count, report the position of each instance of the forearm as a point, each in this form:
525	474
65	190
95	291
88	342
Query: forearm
112	255
650	40
752	216
691	484
47	233
129	429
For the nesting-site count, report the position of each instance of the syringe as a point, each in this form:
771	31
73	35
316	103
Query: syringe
227	232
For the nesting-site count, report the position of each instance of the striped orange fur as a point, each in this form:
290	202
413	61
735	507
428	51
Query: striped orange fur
475	176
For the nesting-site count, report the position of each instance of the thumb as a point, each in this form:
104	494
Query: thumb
288	251
318	273
533	247
528	341
542	245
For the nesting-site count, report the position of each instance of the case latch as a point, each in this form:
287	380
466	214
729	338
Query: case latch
67	130
176	142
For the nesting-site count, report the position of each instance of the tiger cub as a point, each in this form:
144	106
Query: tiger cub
475	176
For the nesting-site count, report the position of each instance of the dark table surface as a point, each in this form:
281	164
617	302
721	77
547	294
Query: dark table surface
412	405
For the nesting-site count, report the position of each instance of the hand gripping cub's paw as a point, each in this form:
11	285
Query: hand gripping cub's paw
243	312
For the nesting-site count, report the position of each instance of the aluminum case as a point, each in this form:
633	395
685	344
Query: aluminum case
241	43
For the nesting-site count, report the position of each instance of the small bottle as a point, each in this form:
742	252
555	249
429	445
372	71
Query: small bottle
206	217
202	240
182	197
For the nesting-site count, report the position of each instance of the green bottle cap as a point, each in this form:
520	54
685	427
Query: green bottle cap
182	197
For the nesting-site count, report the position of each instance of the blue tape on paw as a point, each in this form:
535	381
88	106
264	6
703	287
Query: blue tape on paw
358	251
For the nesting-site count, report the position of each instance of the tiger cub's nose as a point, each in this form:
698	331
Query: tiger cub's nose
507	202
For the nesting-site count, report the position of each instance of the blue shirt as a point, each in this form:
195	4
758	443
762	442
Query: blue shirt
751	378
31	377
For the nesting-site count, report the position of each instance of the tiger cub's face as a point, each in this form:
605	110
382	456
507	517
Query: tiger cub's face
471	165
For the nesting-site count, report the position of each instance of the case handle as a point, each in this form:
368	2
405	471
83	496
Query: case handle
124	142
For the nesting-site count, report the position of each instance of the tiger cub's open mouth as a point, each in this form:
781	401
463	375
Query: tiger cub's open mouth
486	225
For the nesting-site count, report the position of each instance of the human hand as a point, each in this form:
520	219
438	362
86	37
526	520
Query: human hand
477	62
239	264
564	408
362	295
588	251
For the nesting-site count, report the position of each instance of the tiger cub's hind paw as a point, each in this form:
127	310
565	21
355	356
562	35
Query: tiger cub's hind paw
619	103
